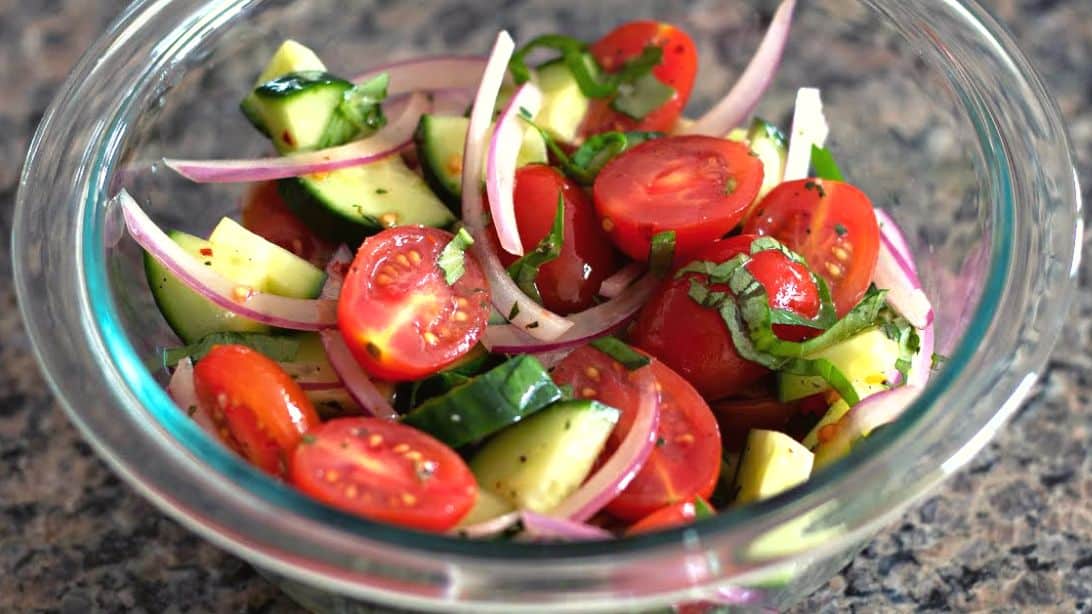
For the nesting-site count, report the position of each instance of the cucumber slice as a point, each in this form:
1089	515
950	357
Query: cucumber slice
772	462
487	403
771	146
864	359
289	275
563	104
440	140
487	507
352	203
190	315
539	462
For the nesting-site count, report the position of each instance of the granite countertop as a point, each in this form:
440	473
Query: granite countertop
1011	532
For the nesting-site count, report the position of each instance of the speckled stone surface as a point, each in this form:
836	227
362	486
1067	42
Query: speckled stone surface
1012	532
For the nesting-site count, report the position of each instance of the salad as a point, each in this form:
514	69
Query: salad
522	296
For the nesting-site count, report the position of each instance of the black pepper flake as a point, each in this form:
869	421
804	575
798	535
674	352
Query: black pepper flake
660	441
813	185
381	190
522	458
840	229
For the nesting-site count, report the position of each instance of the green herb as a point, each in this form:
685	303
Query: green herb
567	392
620	351
452	260
362	105
898	329
937	360
702	509
840	229
513	312
280	348
643	96
637	91
822	162
590	158
308	439
661	253
525	270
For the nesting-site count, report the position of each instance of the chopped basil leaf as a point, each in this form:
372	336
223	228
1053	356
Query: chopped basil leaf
643	96
822	162
362	105
281	348
586	162
840	230
620	351
937	360
525	270
512	313
452	260
661	253
703	509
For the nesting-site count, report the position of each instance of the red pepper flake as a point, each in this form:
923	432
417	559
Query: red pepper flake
206	251
286	136
241	294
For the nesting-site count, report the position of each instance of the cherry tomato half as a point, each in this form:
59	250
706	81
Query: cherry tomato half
694	340
674	515
570	282
397	313
686	460
832	225
266	215
698	186
677	69
385	471
258	409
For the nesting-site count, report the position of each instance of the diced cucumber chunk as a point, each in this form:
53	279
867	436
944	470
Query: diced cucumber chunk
563	104
288	274
537	463
487	403
837	410
865	359
772	462
487	507
440	140
190	315
291	56
771	146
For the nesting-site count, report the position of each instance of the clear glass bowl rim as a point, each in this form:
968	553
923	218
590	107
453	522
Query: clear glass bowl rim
138	394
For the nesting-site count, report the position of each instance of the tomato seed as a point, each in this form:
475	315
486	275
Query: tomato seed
415	256
592	373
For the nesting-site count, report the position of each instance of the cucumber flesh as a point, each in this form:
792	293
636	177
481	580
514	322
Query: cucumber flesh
190	315
287	273
563	104
538	463
440	140
864	359
768	142
487	507
487	403
772	462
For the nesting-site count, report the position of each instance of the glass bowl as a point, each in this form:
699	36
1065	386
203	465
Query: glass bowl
934	113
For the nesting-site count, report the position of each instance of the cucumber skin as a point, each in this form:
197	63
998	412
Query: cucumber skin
322	219
486	404
433	177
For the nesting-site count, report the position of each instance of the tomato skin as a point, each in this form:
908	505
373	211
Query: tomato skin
832	225
694	340
686	460
258	409
677	69
385	471
266	215
674	515
399	316
737	417
570	282
698	186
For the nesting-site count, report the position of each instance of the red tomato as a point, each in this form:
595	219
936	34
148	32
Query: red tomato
686	460
737	417
675	515
259	410
385	471
399	316
266	215
568	283
698	186
832	225
695	341
677	69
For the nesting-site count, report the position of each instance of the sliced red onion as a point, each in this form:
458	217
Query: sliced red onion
898	276
895	237
507	297
394	137
613	477
336	269
540	527
500	166
617	283
354	378
921	367
809	127
429	73
184	393
278	311
488	528
587	325
873	411
551	359
742	99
